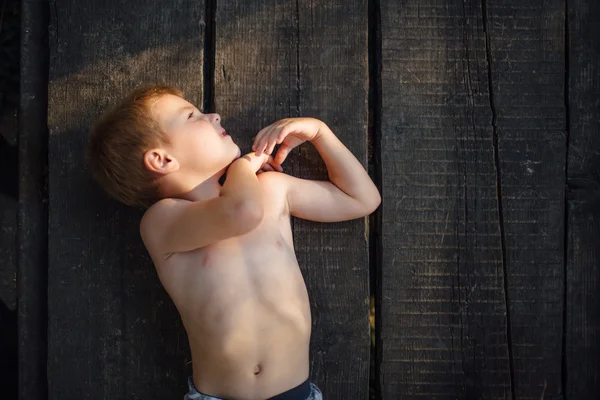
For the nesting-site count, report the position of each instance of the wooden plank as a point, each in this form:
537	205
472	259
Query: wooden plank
583	257
113	331
278	59
526	54
9	187
8	251
443	327
32	232
9	180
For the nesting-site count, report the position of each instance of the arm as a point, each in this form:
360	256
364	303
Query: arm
349	194
345	171
174	225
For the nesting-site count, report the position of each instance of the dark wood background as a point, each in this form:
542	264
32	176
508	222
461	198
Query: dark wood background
479	121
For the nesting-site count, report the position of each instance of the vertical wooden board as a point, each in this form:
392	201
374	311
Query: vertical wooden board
583	259
8	212
8	252
526	47
8	244
443	302
8	208
9	183
113	331
32	220
9	100
277	59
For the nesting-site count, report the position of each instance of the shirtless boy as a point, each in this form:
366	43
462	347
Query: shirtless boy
224	253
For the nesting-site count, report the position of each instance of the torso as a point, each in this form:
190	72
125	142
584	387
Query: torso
245	308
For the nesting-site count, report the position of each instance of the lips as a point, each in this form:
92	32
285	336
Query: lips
224	133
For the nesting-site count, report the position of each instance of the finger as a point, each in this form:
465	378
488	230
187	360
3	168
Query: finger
272	142
270	138
273	137
259	137
256	146
267	167
273	164
276	166
262	143
282	153
255	139
280	134
284	131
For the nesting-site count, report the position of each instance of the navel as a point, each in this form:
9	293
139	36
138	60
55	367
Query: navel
278	243
257	369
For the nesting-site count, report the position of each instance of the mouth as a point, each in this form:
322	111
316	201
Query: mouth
224	133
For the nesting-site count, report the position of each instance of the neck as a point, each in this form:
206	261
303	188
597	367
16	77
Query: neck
190	189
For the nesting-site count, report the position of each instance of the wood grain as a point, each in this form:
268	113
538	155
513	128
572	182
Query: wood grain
582	366
526	56
444	324
32	219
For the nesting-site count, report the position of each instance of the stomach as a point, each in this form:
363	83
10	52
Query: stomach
248	322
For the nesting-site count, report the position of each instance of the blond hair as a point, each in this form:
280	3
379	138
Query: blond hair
118	141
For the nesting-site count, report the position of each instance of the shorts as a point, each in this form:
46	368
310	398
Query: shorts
305	391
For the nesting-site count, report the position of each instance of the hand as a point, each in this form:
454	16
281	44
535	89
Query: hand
262	163
288	133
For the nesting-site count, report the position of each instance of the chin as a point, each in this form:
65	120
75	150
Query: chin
237	155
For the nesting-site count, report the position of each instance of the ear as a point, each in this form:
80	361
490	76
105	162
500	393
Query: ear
160	161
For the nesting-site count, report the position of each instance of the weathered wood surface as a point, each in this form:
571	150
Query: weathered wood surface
526	59
113	331
473	163
8	226
583	258
8	252
8	211
479	297
32	226
444	327
277	59
9	187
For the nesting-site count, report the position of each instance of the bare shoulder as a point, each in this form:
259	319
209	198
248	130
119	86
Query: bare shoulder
275	185
273	181
156	218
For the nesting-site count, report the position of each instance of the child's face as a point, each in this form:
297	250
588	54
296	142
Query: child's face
198	141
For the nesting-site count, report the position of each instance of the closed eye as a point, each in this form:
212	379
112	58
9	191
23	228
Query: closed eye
191	115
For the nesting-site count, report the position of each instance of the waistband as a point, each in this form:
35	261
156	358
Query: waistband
300	392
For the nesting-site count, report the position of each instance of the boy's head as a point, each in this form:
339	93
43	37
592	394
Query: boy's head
155	138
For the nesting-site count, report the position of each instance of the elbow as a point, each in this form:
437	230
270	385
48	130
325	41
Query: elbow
247	215
376	199
373	203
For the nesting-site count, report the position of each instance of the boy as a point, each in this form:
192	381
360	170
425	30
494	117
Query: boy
224	253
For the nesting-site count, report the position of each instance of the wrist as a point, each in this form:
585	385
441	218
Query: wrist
322	131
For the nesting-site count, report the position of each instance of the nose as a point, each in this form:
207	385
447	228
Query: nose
214	118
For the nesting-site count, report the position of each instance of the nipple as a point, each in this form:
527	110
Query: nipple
257	369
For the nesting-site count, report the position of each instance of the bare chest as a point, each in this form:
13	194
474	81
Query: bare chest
261	261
